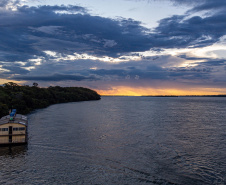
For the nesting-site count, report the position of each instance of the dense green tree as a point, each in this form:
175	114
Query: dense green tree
3	109
26	99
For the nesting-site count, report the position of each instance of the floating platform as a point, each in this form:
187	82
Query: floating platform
13	129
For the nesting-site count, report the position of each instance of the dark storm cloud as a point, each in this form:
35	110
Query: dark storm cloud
196	5
209	71
55	77
210	5
207	61
4	3
149	70
110	72
125	72
192	76
19	41
15	70
199	5
192	58
214	63
29	31
46	9
136	72
182	2
196	31
188	2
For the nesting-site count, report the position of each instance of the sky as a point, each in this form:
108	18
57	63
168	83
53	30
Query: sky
120	47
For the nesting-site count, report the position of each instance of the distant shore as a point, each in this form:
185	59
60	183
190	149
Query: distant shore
166	96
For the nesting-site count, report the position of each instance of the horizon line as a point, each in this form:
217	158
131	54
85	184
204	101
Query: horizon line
217	95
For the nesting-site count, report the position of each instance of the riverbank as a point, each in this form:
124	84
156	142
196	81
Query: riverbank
27	98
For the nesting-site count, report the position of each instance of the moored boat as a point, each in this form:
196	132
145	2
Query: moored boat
13	129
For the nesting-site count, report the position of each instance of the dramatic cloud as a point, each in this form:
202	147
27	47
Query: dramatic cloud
68	43
210	5
55	77
29	31
5	3
188	2
132	72
196	5
196	31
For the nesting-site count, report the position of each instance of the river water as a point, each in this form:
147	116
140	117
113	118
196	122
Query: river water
122	140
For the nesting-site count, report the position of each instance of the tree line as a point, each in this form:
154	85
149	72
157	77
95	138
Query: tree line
26	98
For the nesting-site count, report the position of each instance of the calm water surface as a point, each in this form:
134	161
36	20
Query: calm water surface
122	140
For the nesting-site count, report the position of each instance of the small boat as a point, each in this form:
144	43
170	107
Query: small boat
13	129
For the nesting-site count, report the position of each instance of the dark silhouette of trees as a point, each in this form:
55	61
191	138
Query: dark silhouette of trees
26	98
35	84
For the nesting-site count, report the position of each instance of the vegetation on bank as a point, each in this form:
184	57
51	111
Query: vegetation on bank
27	98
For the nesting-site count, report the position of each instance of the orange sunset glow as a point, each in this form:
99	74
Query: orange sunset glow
128	91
